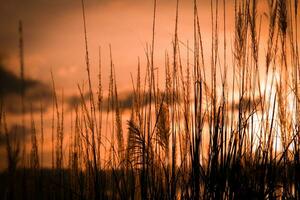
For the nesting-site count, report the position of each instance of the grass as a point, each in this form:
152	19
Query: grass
191	139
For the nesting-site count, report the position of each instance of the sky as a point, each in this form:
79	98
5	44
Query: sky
53	35
54	41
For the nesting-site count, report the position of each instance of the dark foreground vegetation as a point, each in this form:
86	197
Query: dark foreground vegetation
218	128
117	184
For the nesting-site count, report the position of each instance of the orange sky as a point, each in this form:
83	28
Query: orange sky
53	35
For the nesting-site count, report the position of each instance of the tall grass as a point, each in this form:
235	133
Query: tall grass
215	130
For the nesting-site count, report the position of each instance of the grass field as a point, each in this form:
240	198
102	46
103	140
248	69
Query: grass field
223	126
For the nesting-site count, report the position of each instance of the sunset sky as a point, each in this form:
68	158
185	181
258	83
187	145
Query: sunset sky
53	36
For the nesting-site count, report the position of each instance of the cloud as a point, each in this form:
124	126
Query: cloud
11	84
36	92
74	100
247	103
125	100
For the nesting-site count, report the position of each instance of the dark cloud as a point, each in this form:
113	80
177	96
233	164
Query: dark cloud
74	100
125	100
12	84
247	103
36	92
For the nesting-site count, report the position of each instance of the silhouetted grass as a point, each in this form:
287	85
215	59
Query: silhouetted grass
207	134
